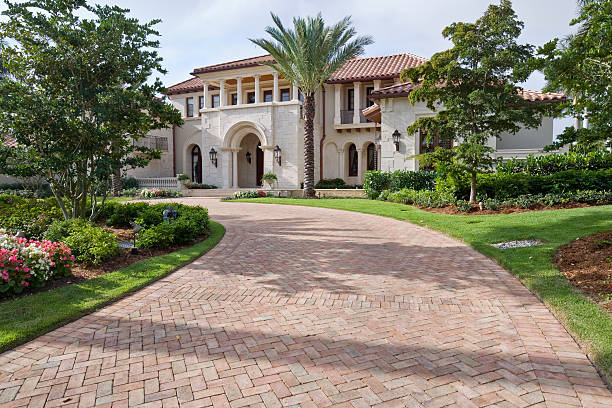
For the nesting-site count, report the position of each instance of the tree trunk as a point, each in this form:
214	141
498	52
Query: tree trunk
309	110
116	183
473	189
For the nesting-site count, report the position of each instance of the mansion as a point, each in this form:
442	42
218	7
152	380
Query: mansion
242	119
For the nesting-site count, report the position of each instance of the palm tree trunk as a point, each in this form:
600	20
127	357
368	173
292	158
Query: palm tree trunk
309	165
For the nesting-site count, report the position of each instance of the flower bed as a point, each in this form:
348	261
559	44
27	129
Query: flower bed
156	193
25	263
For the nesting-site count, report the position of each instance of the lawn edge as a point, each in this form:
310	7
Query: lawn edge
216	233
587	344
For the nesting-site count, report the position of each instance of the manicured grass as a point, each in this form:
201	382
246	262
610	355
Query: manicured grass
28	317
585	320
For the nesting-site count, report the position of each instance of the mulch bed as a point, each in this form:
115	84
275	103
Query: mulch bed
82	273
587	264
507	210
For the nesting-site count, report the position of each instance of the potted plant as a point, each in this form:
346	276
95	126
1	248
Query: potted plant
269	178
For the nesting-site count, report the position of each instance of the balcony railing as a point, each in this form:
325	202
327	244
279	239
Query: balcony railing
153	143
346	117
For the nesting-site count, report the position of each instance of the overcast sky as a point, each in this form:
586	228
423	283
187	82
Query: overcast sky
203	32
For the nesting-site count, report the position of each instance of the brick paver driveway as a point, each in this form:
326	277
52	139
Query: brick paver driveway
310	307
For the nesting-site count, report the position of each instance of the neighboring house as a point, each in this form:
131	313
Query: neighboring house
242	119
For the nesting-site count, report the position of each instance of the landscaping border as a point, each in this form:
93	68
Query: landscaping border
588	323
25	318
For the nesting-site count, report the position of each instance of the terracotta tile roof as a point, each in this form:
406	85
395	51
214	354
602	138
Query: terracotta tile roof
187	86
372	113
190	85
367	69
243	63
404	89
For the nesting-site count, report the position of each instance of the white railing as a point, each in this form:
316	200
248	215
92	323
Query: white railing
167	183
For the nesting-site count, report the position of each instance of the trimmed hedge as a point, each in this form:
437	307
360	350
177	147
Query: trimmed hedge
554	163
425	198
376	182
332	183
510	185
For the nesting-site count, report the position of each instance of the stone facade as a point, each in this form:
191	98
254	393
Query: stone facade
244	112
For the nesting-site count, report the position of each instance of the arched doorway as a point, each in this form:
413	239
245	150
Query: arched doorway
196	164
353	157
250	161
372	159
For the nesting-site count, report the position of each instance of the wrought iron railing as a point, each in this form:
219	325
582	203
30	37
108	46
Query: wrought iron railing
346	117
153	142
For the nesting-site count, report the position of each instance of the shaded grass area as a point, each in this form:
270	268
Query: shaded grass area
28	317
584	319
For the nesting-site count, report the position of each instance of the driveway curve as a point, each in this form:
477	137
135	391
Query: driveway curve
311	307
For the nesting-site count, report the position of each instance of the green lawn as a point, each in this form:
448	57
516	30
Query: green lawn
25	318
584	319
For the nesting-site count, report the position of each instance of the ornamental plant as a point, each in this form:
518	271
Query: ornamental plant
30	263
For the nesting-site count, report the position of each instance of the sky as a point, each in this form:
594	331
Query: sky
204	32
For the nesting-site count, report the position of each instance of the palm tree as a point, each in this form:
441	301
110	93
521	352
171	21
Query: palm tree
307	55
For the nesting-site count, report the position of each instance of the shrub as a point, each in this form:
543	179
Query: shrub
464	206
191	185
88	242
331	183
28	263
29	215
554	163
249	194
129	183
130	192
156	193
190	223
183	177
377	181
509	185
425	198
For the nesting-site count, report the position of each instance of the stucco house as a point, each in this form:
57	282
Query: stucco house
242	119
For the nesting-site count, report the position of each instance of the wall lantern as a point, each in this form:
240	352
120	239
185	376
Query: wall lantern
277	154
213	156
248	157
396	138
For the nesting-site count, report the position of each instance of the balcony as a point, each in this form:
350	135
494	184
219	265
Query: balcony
153	143
346	117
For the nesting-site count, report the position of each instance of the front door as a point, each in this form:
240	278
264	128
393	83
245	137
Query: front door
196	165
259	163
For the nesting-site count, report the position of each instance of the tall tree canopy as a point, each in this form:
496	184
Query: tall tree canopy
581	65
307	55
474	89
78	96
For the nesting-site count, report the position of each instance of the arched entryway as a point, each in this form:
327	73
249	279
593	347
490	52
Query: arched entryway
250	161
196	164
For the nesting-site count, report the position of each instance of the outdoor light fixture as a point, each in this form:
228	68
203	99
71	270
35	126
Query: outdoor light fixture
248	157
213	156
135	230
396	138
277	154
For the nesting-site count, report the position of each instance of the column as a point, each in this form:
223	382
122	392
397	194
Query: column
341	164
357	103
338	104
239	90
222	92
360	164
295	93
206	95
235	168
275	97
257	99
377	84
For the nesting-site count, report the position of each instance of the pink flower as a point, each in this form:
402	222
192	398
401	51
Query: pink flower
24	283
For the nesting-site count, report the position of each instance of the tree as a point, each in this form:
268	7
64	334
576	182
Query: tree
307	56
581	65
79	96
473	87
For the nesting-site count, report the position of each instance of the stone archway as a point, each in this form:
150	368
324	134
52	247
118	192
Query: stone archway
242	138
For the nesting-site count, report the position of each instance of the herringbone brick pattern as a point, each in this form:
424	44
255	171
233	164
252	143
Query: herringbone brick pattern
305	307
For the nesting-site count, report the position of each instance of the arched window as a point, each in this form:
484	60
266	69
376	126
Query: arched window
196	165
372	164
352	161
